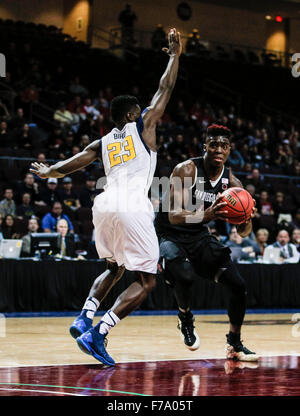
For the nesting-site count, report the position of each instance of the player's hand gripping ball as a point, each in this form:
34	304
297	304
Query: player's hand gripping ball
240	205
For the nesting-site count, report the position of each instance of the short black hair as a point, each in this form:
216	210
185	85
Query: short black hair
121	105
218	130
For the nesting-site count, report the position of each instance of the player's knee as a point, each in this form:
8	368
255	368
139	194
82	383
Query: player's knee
117	271
182	272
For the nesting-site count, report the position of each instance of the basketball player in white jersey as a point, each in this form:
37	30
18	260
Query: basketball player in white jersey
122	214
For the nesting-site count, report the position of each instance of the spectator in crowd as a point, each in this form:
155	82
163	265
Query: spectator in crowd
67	240
296	238
49	220
235	159
50	194
88	108
88	193
56	139
251	189
193	43
255	179
18	121
28	186
282	205
246	248
32	227
68	197
23	137
4	114
288	251
63	116
77	89
127	18
264	206
1	221
26	209
262	236
84	142
9	230
5	136
8	205
159	38
296	220
66	148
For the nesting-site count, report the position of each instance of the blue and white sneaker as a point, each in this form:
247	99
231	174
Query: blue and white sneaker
94	343
80	325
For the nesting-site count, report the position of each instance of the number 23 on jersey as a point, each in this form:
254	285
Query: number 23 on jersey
114	150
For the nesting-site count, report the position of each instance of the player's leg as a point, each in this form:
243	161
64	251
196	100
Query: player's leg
94	340
97	294
179	272
230	277
183	279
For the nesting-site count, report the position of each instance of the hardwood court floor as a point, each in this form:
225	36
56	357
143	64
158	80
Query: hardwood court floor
39	357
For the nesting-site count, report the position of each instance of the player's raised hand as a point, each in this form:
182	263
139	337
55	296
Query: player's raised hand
40	169
175	45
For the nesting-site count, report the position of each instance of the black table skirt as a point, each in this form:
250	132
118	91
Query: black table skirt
27	285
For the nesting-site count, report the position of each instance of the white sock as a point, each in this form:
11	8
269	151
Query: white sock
108	321
91	305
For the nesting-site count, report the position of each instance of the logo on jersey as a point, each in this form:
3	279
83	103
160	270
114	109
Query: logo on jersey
224	184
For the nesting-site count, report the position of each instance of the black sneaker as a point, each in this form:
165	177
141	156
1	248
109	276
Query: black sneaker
235	350
188	333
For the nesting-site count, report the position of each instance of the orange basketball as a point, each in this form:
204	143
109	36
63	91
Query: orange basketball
239	205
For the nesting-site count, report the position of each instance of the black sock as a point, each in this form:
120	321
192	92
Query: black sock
233	338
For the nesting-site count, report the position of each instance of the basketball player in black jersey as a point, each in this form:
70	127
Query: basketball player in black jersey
187	248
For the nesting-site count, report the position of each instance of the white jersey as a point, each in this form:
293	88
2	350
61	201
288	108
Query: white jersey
127	160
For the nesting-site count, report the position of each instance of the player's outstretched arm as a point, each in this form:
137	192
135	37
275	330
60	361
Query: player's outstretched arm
166	84
65	167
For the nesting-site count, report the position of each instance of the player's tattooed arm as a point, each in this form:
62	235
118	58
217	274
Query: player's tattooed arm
182	180
243	229
166	86
65	167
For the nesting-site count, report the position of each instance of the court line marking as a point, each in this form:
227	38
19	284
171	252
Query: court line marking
76	388
43	391
220	357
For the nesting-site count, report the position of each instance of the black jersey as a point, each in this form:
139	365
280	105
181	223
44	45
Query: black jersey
205	194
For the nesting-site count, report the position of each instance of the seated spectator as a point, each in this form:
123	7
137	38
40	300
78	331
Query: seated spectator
56	139
235	159
159	38
1	221
23	138
5	135
88	193
26	209
296	220
66	147
248	248
50	194
68	197
29	186
296	238
195	148
8	205
288	251
84	142
33	227
255	179
19	120
63	116
262	236
264	206
9	228
282	205
49	220
67	240
76	88
88	108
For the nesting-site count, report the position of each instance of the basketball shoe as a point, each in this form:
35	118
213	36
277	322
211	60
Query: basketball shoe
235	350
80	325
187	328
94	343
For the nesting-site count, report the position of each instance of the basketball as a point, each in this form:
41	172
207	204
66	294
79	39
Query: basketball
239	205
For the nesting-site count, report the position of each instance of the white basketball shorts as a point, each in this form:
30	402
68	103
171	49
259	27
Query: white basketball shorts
126	236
